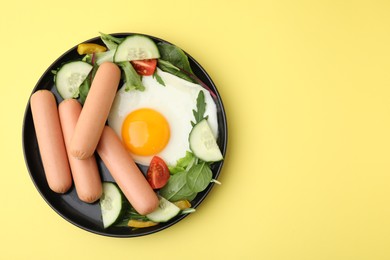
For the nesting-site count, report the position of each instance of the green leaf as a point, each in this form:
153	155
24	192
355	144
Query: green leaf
158	78
87	58
172	69
84	89
191	197
132	79
174	55
128	215
177	188
200	108
110	41
183	163
199	177
186	160
86	85
175	169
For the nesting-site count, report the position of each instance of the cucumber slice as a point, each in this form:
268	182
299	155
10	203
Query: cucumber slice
69	78
165	211
203	143
111	204
136	47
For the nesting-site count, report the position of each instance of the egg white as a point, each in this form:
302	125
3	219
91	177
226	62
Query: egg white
175	101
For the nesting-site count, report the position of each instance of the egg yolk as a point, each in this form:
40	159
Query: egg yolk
145	132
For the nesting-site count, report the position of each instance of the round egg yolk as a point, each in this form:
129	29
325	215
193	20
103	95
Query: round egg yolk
145	132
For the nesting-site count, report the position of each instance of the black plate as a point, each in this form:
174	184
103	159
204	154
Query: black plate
88	216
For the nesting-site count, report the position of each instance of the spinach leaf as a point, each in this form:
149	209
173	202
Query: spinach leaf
170	68
199	177
174	55
177	188
201	108
132	79
191	197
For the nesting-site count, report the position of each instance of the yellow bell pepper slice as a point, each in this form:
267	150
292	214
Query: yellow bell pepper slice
140	224
89	48
182	204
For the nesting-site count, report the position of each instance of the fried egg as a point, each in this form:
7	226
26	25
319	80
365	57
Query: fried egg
157	121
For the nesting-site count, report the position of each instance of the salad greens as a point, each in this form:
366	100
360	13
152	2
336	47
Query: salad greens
183	163
177	188
174	60
110	41
132	79
186	184
84	89
199	177
158	78
174	55
86	85
167	66
201	108
129	214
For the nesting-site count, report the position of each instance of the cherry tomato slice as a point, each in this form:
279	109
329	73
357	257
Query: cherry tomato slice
144	67
158	173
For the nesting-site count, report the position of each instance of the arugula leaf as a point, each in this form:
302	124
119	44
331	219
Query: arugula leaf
199	177
174	55
132	79
170	68
183	163
110	41
158	78
177	188
201	108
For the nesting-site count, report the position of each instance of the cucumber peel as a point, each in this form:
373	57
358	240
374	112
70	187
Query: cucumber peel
112	204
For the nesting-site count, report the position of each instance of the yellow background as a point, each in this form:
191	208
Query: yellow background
306	89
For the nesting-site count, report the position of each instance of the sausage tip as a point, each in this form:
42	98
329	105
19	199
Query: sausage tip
61	189
150	208
88	198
